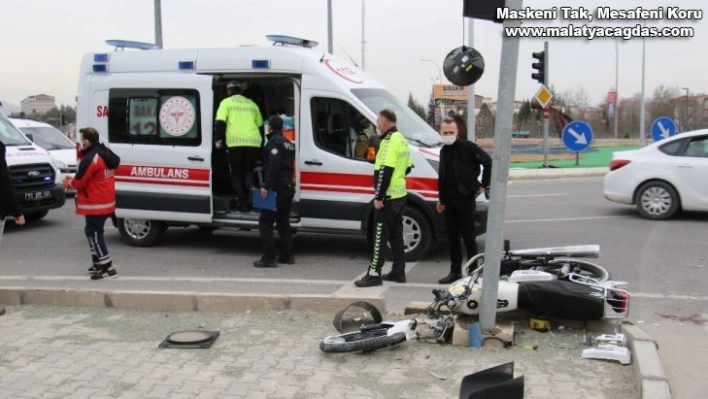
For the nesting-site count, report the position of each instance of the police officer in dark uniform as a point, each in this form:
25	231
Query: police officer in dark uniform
278	163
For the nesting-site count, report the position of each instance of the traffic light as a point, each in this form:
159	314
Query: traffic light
540	67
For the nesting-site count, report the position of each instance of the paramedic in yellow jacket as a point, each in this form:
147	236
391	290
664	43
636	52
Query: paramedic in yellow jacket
393	163
239	123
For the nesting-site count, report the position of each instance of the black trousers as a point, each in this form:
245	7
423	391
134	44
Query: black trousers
94	232
281	218
388	228
459	221
242	160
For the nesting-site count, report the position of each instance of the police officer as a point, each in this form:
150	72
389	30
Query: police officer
392	165
278	162
239	120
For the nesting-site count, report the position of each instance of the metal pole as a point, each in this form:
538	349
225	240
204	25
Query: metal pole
500	172
642	134
363	39
685	112
158	24
442	108
471	98
545	121
330	40
616	87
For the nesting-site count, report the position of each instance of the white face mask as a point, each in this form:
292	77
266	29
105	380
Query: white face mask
448	140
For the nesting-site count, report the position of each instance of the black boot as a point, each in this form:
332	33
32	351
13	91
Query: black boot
263	262
369	281
395	276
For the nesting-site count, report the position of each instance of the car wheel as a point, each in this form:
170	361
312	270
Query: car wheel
141	232
417	236
657	200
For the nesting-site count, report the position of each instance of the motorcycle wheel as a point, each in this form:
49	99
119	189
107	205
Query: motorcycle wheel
365	341
585	269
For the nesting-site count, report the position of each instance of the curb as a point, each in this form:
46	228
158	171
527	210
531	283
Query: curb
179	301
647	363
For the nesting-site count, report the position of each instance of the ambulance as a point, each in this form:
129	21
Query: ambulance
156	109
34	174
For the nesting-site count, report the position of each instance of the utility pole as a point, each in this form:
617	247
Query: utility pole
471	99
500	172
363	39
685	111
158	24
642	133
616	87
330	40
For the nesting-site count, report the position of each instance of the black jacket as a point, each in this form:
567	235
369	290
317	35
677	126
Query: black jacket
465	159
278	162
8	201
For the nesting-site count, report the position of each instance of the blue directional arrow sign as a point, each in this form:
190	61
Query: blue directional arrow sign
577	136
663	128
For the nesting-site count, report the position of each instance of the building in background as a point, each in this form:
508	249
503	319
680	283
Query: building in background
691	113
39	104
450	99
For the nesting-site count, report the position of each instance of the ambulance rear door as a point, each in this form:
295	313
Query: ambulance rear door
161	126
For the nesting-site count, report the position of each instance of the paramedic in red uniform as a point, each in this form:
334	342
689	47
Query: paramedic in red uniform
95	198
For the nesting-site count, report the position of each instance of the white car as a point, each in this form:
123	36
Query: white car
663	178
61	148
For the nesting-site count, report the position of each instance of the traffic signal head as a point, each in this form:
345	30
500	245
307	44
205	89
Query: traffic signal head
540	67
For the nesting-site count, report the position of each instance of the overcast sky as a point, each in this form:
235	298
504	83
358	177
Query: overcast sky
42	41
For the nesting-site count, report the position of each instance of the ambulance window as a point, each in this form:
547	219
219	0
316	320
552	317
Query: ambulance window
339	128
154	116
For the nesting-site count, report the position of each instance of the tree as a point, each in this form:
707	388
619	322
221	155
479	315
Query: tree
416	106
662	102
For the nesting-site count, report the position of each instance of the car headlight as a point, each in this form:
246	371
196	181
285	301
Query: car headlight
59	164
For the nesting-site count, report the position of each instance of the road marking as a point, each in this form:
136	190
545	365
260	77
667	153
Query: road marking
536	195
567	219
664	296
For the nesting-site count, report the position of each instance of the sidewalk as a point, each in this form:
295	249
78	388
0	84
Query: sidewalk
81	352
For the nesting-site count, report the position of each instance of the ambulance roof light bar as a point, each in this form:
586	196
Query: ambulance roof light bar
295	41
124	44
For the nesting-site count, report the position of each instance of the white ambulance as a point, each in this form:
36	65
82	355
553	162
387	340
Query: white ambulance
35	177
156	110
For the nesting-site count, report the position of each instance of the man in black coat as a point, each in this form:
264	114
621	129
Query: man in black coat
278	164
458	187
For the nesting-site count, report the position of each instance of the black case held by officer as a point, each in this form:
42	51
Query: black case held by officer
278	164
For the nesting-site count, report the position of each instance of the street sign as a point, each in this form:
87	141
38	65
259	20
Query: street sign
577	136
546	113
663	128
543	96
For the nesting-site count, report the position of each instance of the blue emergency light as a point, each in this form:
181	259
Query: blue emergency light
100	68
260	64
186	65
103	57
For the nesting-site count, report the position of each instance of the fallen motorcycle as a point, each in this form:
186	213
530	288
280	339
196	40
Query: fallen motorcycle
546	281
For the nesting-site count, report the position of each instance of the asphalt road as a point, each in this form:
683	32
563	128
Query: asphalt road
665	262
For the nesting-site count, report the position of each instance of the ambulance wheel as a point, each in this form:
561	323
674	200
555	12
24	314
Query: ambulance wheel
141	232
417	235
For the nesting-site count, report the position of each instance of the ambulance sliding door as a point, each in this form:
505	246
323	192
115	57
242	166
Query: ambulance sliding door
161	126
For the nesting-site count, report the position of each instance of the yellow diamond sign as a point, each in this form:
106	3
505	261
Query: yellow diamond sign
543	96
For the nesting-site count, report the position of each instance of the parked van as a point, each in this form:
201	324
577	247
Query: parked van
35	178
60	147
156	110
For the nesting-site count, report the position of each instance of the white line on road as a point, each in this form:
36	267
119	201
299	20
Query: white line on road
536	195
567	219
